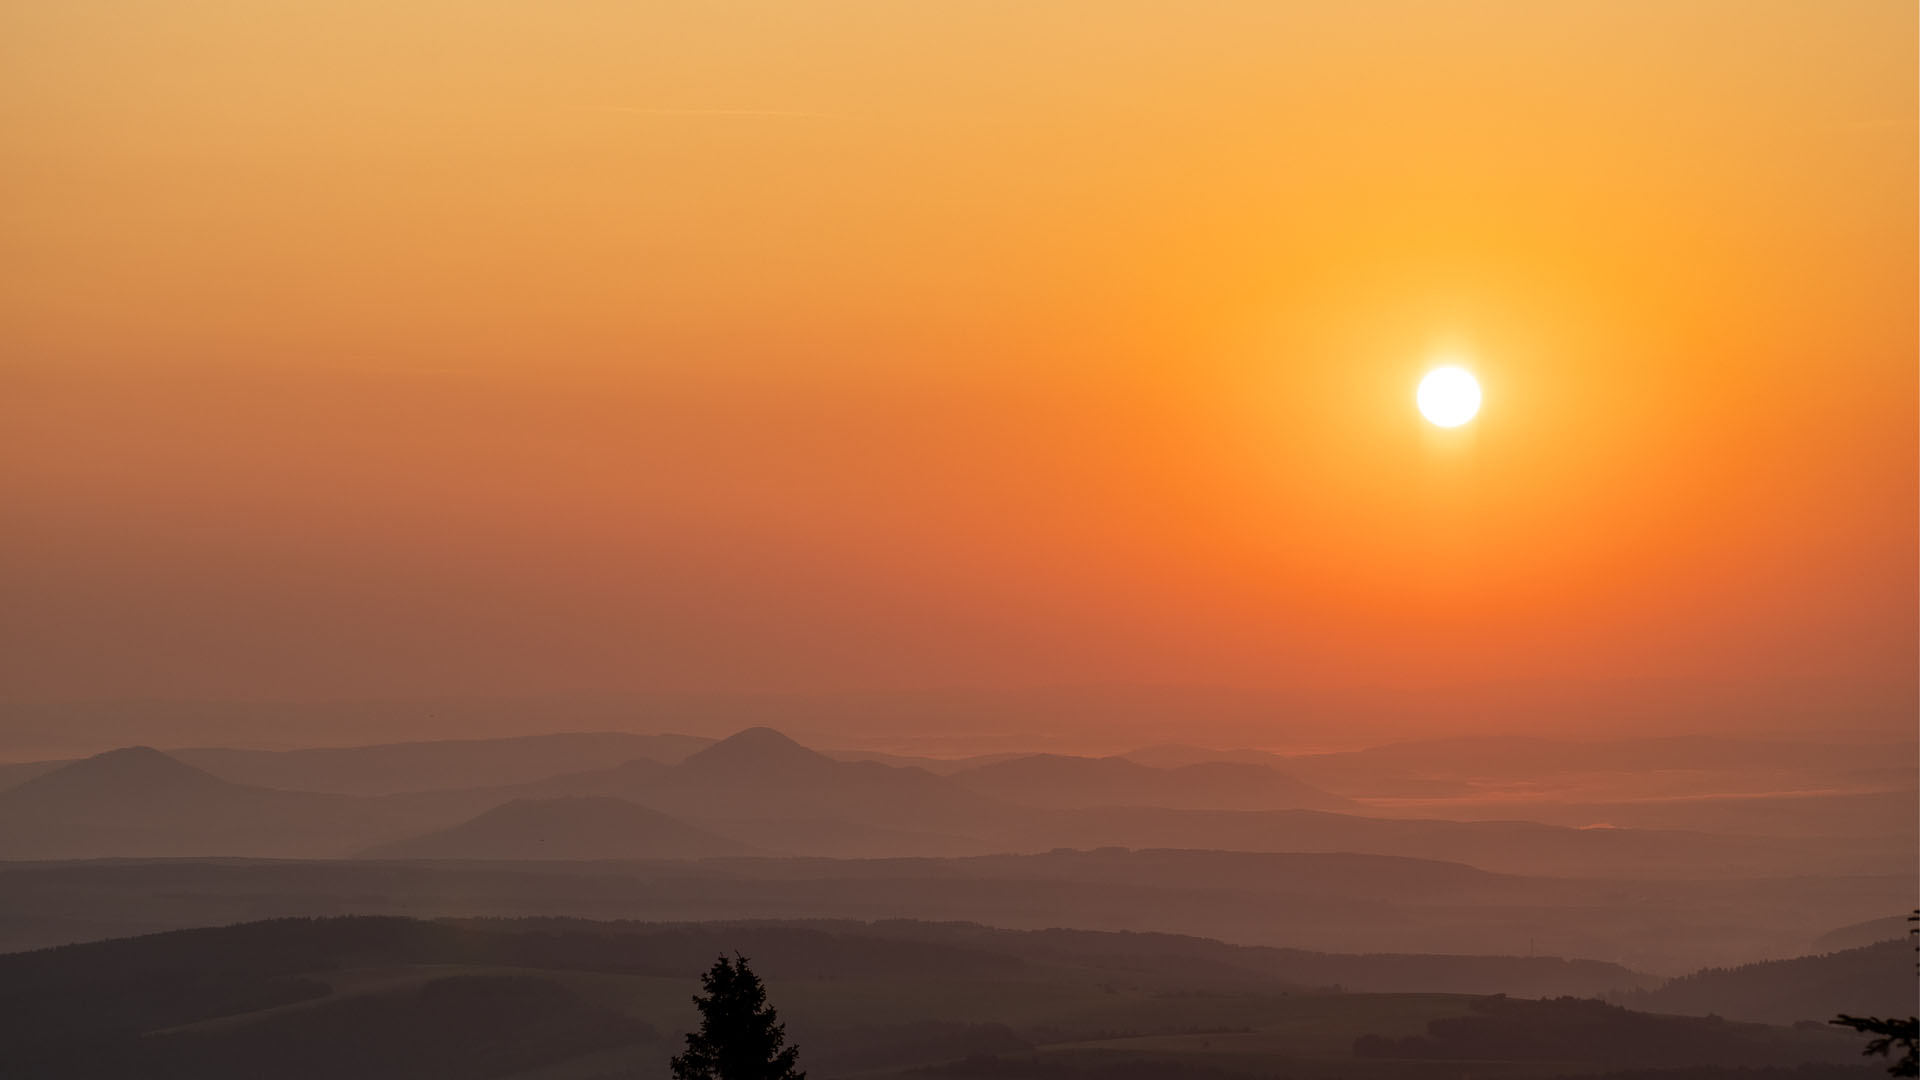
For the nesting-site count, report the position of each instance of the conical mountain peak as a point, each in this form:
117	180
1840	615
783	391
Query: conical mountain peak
128	770
757	748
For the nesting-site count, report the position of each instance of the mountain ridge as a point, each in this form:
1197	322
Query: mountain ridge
581	827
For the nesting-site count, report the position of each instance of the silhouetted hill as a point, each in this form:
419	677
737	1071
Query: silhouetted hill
1327	903
152	1007
1201	959
78	788
1062	782
1875	980
452	1028
760	752
1572	1029
771	793
18	772
247	965
168	980
388	768
759	785
575	828
1860	934
139	801
631	780
1507	846
394	768
766	791
383	997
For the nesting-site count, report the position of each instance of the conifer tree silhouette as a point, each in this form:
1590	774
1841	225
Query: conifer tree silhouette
740	1036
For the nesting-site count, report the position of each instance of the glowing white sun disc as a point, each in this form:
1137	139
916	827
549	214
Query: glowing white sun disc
1448	396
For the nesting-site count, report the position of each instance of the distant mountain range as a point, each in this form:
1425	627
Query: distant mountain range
774	794
398	768
1105	717
430	766
1678	782
759	790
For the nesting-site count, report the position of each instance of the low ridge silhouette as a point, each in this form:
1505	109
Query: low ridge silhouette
570	828
1061	782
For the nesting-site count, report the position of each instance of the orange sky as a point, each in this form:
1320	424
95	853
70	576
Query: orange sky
360	350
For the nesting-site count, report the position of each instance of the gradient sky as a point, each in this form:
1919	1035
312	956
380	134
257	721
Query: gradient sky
371	350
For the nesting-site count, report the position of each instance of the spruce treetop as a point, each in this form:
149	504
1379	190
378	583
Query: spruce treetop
740	1036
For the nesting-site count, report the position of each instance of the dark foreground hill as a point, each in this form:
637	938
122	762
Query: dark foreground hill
1326	902
1876	980
547	999
1572	1029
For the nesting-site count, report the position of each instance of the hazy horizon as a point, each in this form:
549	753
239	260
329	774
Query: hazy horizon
1079	719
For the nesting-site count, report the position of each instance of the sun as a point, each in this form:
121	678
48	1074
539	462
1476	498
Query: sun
1449	396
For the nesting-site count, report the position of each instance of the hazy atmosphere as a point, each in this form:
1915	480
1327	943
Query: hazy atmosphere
1085	541
415	351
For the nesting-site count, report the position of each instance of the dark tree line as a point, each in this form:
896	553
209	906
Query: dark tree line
1892	1032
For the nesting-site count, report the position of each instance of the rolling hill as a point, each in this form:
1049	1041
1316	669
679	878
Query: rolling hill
391	768
1875	980
573	828
408	767
759	780
1335	903
388	998
1869	932
141	802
